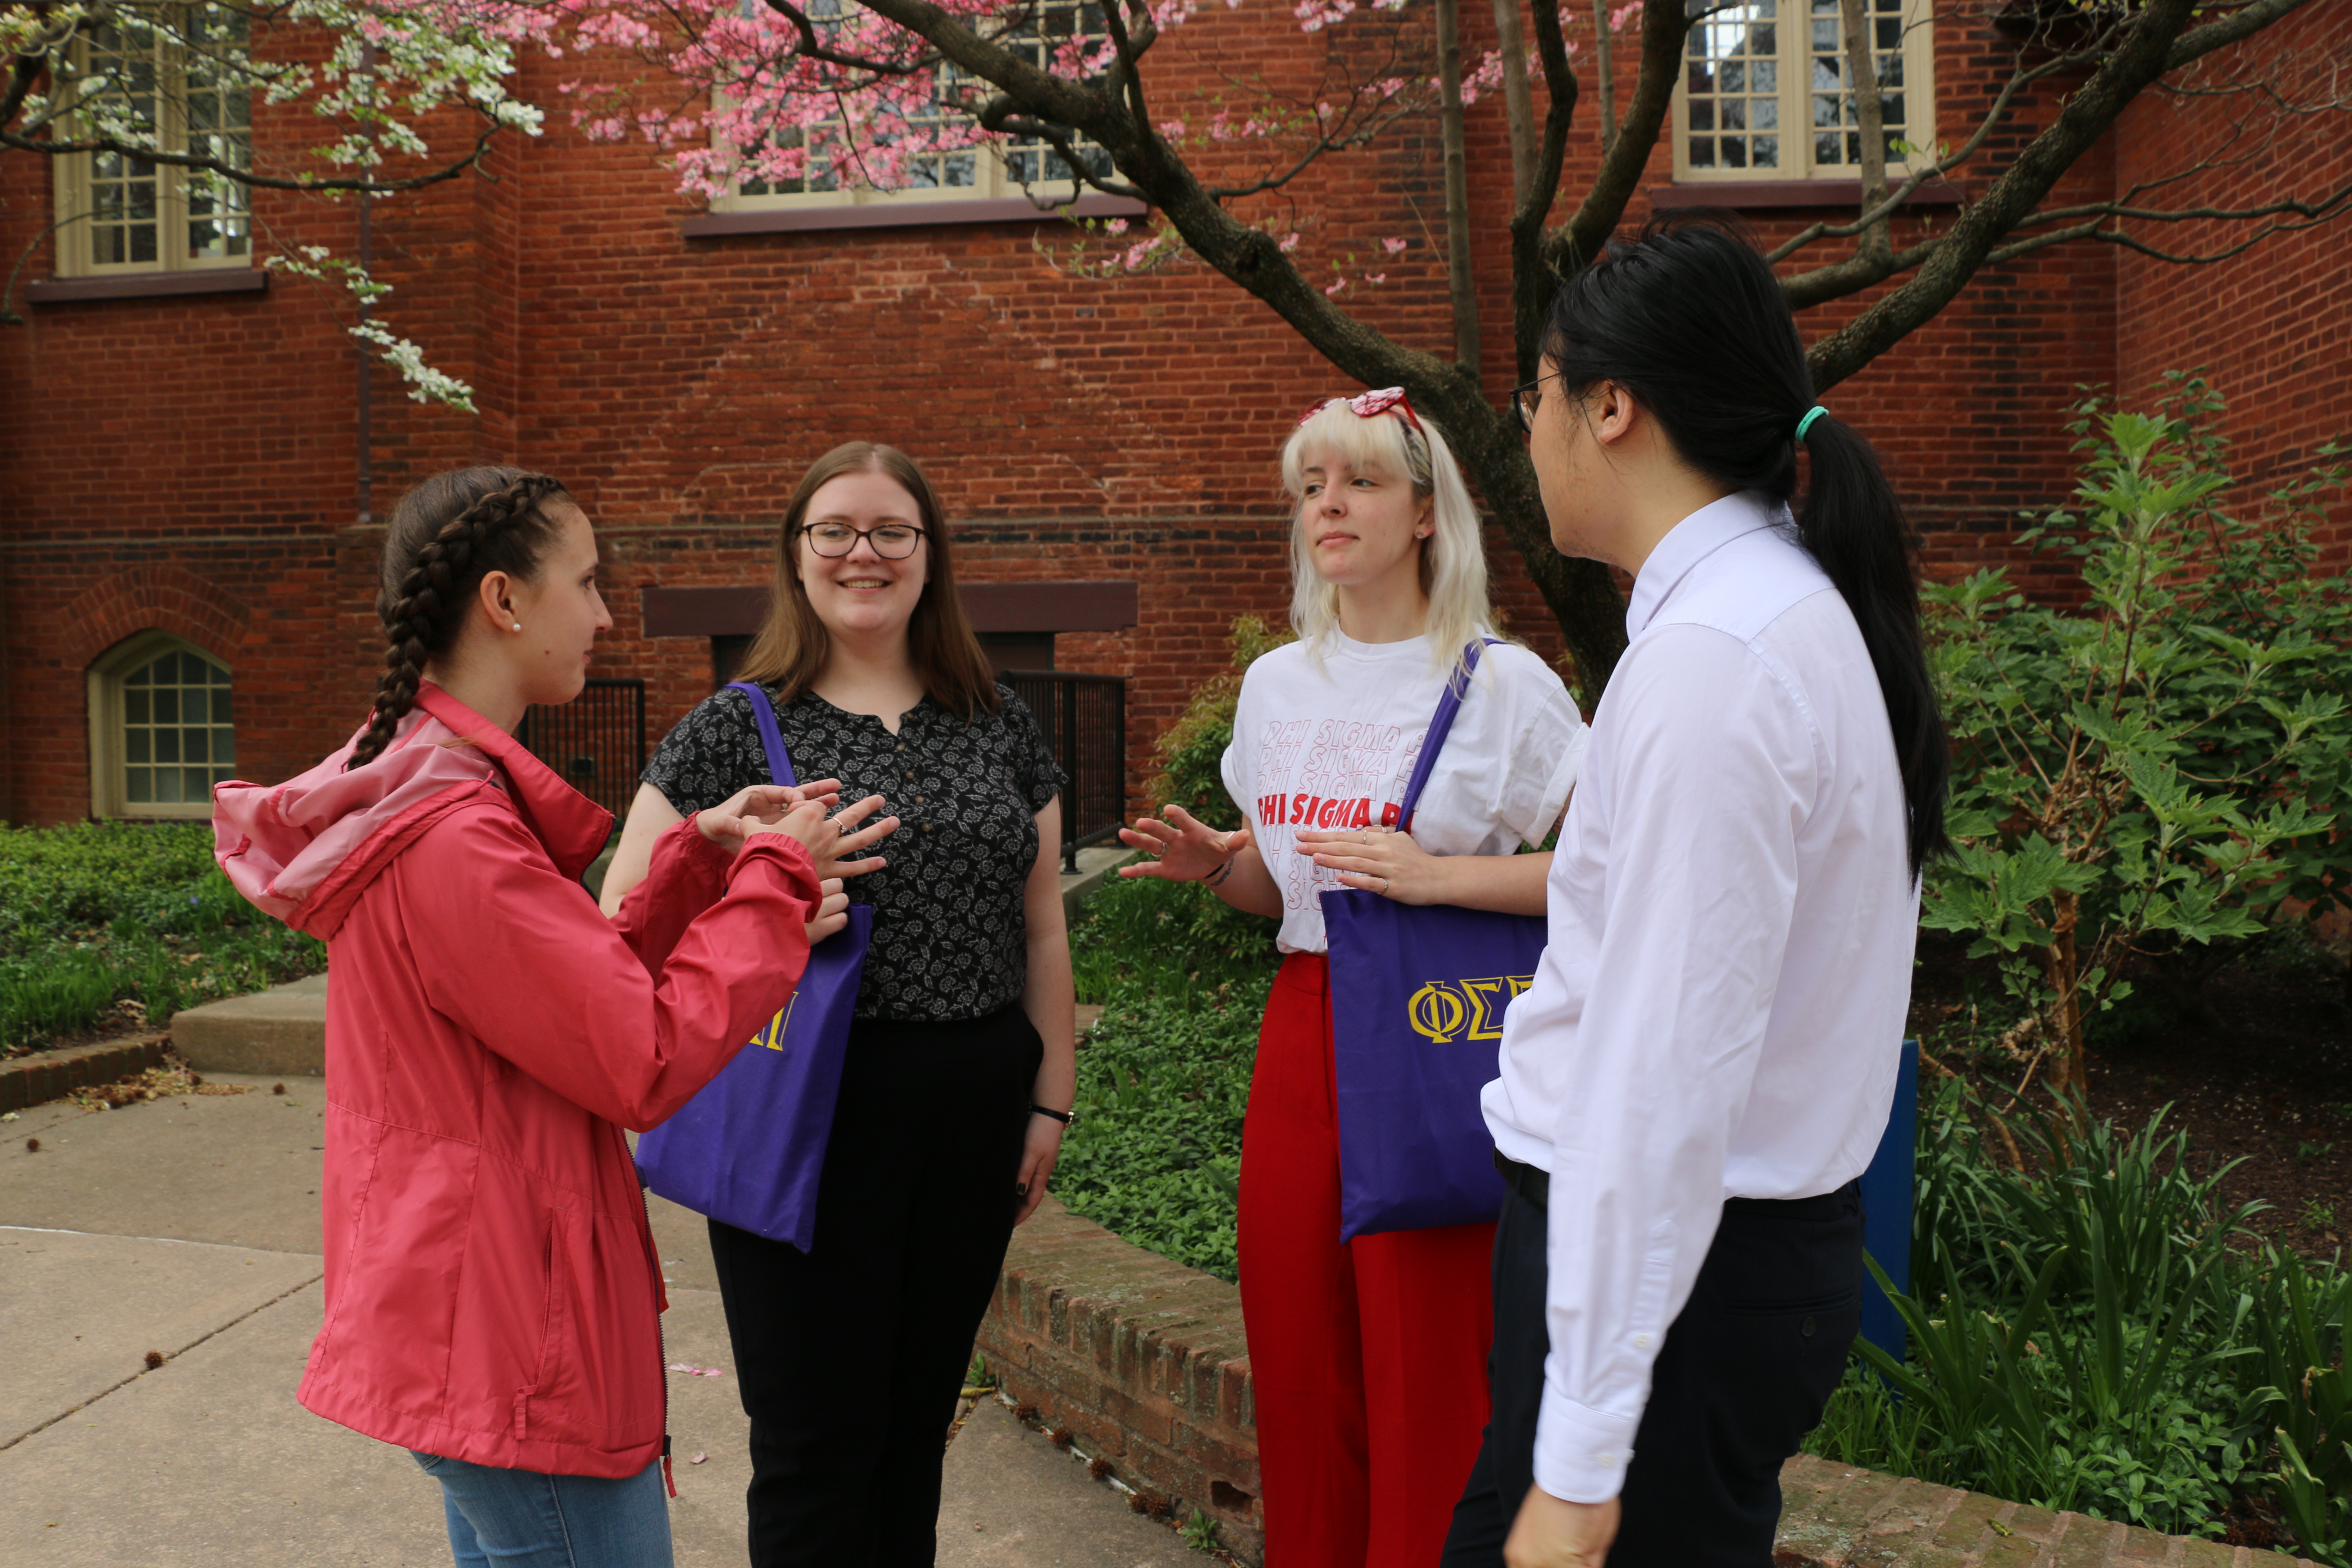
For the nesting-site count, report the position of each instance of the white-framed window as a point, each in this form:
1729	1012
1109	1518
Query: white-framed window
162	728
1766	94
1002	169
164	71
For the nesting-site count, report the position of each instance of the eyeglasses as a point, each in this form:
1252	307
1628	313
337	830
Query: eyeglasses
1525	398
891	540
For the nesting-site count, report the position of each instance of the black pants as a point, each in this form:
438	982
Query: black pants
850	1355
1742	1377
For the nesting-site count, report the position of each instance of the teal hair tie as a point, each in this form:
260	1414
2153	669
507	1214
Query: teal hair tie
1807	422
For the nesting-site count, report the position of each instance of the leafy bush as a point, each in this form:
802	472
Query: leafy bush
1164	1076
1141	936
2164	771
1192	749
1156	1154
2099	1340
101	914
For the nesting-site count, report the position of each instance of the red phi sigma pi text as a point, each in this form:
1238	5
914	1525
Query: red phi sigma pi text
1316	811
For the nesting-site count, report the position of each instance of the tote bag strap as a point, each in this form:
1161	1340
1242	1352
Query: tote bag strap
763	713
1441	724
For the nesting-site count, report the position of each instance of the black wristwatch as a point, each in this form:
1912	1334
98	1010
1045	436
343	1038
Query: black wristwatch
1068	1118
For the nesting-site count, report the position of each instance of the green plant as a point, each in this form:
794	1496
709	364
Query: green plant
2091	1327
2318	1215
1192	749
2307	1152
1201	1533
96	916
1144	936
1156	1153
2163	771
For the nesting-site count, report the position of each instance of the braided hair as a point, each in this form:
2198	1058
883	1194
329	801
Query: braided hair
447	535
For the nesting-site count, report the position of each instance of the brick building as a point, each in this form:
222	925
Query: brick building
194	455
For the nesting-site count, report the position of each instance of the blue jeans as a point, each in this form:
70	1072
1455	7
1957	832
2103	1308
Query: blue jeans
521	1519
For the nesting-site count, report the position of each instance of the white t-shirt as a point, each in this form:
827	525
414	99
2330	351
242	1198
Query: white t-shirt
1335	747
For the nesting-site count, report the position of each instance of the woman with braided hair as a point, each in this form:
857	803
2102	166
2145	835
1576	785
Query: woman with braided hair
492	1291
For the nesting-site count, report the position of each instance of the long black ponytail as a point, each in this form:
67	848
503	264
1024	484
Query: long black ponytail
1689	318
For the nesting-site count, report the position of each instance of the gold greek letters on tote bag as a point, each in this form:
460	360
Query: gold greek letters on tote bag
1445	1011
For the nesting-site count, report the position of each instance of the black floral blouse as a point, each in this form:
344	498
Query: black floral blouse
949	935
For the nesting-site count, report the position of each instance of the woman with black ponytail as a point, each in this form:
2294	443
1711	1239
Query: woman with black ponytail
492	1295
1703	1064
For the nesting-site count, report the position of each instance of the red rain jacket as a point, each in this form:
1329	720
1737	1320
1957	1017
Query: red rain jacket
492	1292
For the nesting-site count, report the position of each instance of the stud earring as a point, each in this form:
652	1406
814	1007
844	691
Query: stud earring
517	626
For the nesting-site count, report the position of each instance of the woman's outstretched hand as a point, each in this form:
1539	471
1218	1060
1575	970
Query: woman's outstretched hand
1185	849
1377	860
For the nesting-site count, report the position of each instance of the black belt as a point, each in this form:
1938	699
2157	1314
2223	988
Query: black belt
1533	1182
1530	1182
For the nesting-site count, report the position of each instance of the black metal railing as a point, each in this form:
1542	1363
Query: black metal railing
1085	721
598	741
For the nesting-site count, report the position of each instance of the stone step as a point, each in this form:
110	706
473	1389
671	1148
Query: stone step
278	1031
283	1029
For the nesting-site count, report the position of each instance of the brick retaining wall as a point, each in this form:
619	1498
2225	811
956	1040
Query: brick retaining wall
1142	1361
52	1075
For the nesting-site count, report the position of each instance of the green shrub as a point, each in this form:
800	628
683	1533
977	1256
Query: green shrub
1192	749
99	915
1145	937
1156	1156
2091	1331
2162	771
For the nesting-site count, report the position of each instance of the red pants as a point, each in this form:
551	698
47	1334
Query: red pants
1370	1360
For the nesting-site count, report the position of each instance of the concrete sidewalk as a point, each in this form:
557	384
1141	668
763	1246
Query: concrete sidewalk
189	1226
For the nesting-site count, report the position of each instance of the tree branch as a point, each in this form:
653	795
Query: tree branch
2088	115
1665	25
1532	278
1461	286
1518	111
231	172
1869	112
812	48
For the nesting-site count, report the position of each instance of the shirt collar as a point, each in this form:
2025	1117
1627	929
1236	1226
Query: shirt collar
1690	542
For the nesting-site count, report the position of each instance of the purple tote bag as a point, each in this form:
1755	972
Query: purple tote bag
749	1150
1417	1000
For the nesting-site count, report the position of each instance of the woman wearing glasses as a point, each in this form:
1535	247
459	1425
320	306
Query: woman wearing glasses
960	1064
1368	1358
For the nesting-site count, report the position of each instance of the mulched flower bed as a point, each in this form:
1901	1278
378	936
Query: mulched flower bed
2255	1064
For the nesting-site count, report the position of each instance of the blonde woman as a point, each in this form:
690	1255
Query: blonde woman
1368	1359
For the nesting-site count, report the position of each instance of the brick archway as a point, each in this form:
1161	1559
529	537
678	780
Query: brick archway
158	597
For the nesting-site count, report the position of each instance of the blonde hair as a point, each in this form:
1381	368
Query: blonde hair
1452	558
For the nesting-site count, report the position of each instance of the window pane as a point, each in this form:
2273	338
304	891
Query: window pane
1732	88
167	706
167	745
134	705
196	784
134	745
1836	109
138	787
193	706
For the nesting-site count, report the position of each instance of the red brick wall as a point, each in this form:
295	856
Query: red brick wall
1076	428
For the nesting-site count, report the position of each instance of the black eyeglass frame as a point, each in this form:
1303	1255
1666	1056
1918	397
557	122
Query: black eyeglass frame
1524	407
920	533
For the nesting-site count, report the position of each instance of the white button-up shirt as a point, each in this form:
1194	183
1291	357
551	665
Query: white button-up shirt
1720	1008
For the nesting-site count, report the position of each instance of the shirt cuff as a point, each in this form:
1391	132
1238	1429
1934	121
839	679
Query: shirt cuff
1582	1453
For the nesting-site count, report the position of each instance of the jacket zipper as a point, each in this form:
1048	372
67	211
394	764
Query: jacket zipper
661	1331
